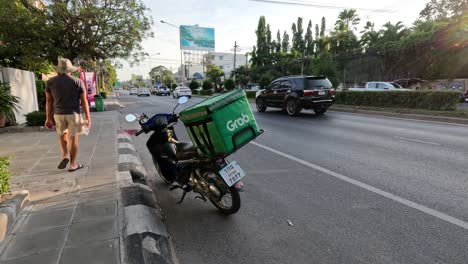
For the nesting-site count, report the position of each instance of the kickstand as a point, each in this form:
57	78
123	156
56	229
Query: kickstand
201	197
183	197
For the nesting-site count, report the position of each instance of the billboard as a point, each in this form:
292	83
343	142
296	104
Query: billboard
89	79
197	38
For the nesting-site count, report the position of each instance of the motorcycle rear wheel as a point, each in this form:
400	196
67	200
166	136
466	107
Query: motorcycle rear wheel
231	207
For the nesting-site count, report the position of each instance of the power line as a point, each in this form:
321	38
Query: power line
285	2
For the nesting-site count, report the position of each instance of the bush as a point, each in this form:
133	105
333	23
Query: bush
207	85
36	118
250	94
103	95
432	100
174	86
193	85
41	96
229	84
4	175
206	92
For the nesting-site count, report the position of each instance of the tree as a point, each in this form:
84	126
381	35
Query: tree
278	42
262	51
444	10
285	42
317	33
309	41
229	84
79	30
193	85
268	39
207	85
348	19
24	38
322	27
369	37
298	43
214	72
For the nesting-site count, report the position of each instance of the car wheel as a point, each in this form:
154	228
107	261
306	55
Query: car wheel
260	103
293	108
320	111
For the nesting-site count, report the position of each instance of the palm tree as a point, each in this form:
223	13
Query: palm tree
369	36
393	32
348	19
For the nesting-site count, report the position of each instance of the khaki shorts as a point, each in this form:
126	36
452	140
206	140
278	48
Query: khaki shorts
73	124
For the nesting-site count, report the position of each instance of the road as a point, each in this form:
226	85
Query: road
356	188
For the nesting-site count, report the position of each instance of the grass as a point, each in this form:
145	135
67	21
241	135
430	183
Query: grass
456	113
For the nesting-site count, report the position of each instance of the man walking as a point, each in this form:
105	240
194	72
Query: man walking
63	96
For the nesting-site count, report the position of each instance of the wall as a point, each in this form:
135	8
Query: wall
23	85
226	61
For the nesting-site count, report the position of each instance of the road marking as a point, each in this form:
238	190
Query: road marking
398	199
417	140
401	118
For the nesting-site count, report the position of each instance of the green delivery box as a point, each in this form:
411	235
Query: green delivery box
220	125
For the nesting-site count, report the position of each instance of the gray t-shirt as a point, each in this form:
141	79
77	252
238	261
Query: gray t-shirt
65	91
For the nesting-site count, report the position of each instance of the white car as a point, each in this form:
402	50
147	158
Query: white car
144	91
182	91
133	91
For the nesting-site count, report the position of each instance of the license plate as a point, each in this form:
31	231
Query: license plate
232	173
321	92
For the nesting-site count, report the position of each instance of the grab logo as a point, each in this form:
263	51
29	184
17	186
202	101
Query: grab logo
239	122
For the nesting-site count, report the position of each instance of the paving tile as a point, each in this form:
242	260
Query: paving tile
86	212
25	244
105	252
93	230
46	220
49	257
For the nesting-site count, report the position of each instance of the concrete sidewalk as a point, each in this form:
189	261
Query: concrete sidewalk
73	216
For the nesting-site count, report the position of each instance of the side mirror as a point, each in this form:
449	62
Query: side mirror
130	118
183	100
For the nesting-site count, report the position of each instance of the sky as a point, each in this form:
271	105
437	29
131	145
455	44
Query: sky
236	20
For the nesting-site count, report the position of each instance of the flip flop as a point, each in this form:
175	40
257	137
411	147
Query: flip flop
63	164
80	166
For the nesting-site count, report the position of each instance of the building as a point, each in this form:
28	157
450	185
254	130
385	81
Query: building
225	61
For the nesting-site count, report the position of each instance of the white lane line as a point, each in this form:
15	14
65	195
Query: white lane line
398	199
417	140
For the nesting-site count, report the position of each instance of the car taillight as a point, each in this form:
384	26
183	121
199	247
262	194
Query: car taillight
309	92
331	91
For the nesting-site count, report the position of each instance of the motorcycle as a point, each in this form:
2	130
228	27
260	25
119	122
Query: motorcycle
185	167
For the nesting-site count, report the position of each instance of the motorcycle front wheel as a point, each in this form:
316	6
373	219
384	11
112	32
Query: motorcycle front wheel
165	178
230	202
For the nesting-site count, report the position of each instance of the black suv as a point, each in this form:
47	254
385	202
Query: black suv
294	93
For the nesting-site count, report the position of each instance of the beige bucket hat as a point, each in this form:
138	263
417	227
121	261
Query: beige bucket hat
65	66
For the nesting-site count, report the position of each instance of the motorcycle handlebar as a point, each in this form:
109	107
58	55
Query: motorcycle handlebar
139	132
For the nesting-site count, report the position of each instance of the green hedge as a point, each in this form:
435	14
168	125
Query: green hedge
103	95
41	96
432	100
206	92
250	94
4	175
36	118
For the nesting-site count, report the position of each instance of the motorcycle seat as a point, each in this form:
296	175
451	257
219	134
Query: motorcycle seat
185	151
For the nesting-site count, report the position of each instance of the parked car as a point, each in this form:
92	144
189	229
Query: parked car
294	93
144	91
162	90
133	91
182	91
379	86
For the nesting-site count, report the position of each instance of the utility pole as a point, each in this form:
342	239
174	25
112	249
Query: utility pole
235	53
302	65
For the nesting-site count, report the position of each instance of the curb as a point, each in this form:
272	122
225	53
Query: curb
145	236
443	119
9	211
